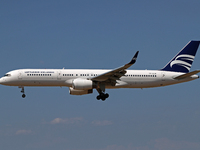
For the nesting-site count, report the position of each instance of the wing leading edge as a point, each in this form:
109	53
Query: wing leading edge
117	73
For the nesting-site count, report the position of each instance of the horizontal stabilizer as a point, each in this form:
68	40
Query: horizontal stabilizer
187	74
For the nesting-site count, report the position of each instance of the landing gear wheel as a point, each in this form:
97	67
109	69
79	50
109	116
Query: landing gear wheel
106	95
23	95
98	97
102	96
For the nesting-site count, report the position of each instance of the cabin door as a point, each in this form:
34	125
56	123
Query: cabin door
59	75
20	75
163	76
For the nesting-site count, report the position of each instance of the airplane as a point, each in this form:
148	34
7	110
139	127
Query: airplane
83	81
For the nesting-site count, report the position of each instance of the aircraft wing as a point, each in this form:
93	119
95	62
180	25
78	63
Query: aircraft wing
187	74
117	73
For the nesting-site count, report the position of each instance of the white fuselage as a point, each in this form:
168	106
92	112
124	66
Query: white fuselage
83	81
65	77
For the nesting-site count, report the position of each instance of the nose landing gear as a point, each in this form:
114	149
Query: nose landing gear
23	95
22	91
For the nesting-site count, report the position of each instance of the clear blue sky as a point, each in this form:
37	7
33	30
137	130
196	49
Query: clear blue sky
98	34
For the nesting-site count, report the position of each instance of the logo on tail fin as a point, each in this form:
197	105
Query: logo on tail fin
182	60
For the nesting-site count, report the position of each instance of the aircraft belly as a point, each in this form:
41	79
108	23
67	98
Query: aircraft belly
42	83
136	84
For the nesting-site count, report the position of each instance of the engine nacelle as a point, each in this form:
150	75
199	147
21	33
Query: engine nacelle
80	92
82	84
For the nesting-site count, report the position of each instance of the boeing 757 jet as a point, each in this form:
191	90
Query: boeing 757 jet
83	81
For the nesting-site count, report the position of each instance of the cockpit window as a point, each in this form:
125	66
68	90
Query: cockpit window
7	75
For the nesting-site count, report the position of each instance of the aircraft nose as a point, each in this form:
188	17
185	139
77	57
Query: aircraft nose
2	80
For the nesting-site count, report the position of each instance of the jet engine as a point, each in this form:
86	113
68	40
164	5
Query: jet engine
82	84
80	92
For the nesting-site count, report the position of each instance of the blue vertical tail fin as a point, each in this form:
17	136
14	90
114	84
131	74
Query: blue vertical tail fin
182	62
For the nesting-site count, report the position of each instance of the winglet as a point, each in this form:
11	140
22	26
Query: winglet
133	59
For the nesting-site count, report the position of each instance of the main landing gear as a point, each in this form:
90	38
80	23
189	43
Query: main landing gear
102	96
22	91
101	90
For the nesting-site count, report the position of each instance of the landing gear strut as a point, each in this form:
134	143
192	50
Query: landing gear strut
101	91
22	91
